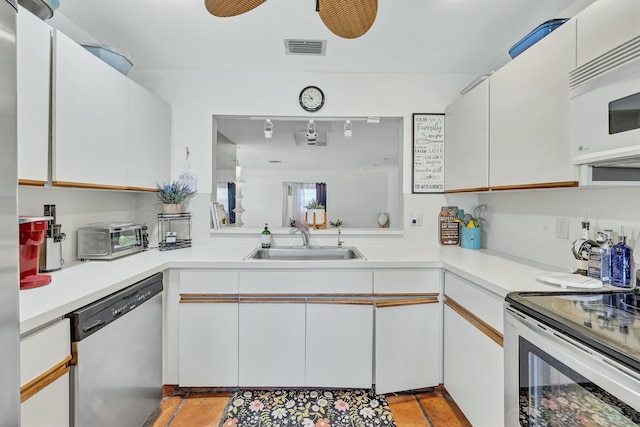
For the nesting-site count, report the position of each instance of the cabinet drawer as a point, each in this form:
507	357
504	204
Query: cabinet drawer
406	282
44	349
306	282
216	282
486	306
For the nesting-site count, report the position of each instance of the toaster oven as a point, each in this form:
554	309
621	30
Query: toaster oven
109	240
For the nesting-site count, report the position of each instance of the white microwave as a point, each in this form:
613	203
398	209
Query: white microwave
605	109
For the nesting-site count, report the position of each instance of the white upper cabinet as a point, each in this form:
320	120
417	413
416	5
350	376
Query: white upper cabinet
33	45
91	118
149	138
467	141
605	25
107	131
529	115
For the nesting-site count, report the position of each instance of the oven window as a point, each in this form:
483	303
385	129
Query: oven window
624	114
552	394
123	240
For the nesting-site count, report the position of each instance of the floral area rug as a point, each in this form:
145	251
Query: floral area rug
307	408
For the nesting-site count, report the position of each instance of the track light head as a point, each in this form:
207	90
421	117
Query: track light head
348	130
268	129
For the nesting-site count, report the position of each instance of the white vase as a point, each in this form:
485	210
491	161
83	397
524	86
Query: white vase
172	208
315	216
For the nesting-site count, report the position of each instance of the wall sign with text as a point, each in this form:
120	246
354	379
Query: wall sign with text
428	153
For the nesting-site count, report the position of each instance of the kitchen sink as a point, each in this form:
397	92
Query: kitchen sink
301	253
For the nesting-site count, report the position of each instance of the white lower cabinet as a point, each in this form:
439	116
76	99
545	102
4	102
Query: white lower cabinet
44	376
272	343
473	354
208	340
407	346
339	345
408	329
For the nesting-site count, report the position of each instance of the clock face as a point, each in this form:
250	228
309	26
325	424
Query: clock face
311	99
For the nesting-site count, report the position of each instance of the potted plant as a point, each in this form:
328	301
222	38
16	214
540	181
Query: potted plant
315	212
173	195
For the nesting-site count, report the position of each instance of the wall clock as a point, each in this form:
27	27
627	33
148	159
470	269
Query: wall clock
311	99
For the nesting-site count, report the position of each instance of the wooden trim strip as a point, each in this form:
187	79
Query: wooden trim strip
150	190
43	380
32	182
340	301
68	184
405	302
560	184
466	190
272	300
207	295
405	294
207	300
299	295
480	324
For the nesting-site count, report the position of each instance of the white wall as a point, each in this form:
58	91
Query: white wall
355	197
523	223
77	207
197	95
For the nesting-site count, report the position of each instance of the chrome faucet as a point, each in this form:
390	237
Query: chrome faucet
304	231
340	242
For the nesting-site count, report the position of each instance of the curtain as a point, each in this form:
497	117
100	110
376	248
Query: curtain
321	194
231	192
295	196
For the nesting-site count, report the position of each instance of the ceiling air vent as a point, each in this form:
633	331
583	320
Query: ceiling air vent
305	47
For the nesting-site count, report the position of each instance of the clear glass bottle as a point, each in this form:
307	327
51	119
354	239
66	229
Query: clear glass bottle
606	256
582	248
622	268
265	238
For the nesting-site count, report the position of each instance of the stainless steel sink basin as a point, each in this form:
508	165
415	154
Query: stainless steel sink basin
300	253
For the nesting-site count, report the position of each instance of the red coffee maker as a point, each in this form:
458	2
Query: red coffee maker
33	230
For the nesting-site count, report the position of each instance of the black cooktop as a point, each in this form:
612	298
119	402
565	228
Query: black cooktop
608	321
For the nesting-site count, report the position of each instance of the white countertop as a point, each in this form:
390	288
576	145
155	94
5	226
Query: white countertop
84	282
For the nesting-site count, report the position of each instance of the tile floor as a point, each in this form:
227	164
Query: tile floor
430	408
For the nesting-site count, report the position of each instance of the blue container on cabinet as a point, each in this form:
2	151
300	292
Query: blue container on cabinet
470	237
535	36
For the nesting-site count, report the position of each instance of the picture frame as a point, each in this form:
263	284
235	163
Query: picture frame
427	136
218	216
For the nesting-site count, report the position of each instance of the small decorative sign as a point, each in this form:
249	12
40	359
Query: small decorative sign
428	153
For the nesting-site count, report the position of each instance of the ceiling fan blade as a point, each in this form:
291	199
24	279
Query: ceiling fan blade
348	18
225	8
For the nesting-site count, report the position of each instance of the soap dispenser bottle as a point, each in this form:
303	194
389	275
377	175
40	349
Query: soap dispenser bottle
622	268
266	237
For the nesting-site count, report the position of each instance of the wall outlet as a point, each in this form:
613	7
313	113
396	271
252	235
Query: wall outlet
562	228
416	219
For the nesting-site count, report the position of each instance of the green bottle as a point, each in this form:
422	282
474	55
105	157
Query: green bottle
266	237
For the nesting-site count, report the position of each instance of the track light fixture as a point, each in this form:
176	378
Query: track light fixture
312	135
348	130
268	129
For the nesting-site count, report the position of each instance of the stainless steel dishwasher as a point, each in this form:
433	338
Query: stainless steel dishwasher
117	376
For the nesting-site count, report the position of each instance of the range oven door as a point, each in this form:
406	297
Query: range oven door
550	380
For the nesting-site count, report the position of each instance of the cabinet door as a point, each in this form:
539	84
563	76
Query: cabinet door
44	376
339	347
208	337
149	138
408	345
33	46
473	371
467	141
272	344
90	117
605	25
529	115
49	407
